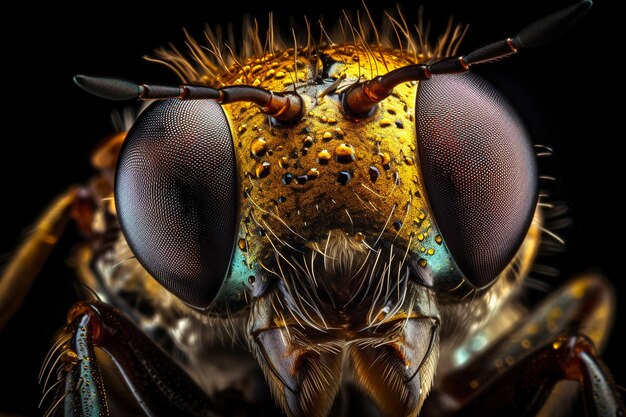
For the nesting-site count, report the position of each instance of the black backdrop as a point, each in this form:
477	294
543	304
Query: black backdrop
51	126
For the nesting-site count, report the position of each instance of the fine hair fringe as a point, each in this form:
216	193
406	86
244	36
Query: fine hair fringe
218	55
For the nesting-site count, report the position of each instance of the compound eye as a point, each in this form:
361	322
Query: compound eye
479	172
176	196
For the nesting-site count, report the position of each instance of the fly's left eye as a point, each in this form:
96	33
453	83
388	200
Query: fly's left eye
176	196
479	172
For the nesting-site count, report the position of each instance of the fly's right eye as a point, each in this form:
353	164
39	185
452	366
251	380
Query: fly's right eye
479	172
176	196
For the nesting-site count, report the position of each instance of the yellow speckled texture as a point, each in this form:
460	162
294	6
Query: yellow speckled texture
329	171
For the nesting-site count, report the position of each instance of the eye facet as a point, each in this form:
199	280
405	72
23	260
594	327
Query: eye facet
176	196
479	172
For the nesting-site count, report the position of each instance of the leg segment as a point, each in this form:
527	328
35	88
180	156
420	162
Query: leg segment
517	375
78	204
84	387
159	385
524	389
19	274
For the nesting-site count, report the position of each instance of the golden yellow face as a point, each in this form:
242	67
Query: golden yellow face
329	172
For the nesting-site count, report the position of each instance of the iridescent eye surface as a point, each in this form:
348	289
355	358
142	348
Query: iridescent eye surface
176	196
479	171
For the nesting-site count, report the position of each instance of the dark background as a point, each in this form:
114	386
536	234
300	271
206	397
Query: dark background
51	126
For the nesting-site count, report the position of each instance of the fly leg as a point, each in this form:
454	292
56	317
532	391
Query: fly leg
157	383
77	204
19	274
519	374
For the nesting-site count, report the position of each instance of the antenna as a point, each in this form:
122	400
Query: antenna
285	107
361	100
